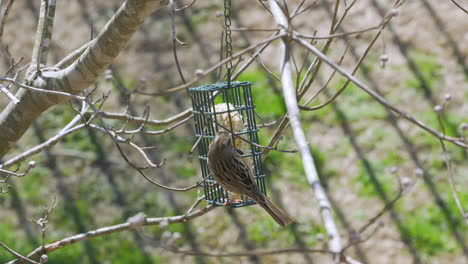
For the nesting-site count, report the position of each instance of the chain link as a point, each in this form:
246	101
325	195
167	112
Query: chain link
228	39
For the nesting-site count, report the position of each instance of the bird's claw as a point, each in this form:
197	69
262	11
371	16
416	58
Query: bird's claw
229	201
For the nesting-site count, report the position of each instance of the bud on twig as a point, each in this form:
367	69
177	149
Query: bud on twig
448	97
199	73
383	60
464	127
137	220
32	164
418	172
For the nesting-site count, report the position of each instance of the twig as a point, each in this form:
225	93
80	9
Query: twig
138	120
5	16
11	96
113	229
451	178
184	7
338	35
81	98
31	165
175	40
303	10
70	58
158	132
18	255
68	129
211	69
377	97
459	6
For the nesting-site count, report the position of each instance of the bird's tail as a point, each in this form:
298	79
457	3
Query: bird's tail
278	215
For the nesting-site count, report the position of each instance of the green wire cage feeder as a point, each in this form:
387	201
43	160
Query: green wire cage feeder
226	106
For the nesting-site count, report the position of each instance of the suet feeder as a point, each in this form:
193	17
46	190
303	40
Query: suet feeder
226	106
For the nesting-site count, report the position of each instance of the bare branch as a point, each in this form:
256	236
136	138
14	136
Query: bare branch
18	255
5	16
459	6
457	141
293	113
211	69
113	229
71	57
10	96
138	120
35	89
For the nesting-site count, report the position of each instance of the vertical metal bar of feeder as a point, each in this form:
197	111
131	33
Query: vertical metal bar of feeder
254	138
196	102
228	102
238	101
213	127
207	139
257	154
204	141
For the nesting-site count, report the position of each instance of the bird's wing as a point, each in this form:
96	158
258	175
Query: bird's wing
243	173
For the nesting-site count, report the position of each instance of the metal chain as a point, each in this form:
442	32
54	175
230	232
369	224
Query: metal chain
228	39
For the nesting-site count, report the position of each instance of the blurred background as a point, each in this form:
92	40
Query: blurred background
361	151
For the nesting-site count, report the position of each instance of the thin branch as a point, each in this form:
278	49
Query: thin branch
448	163
10	96
211	69
459	6
258	252
338	35
252	58
112	229
73	56
69	128
175	40
18	255
5	16
184	7
158	132
81	98
255	29
138	120
457	141
303	9
31	165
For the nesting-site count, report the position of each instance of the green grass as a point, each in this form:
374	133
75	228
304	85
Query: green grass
368	185
430	69
430	232
264	230
269	104
14	239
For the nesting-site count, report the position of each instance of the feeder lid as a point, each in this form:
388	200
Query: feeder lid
218	86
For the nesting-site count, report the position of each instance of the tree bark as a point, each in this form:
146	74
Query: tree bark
15	119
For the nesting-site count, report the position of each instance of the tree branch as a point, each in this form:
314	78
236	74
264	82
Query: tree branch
112	229
15	119
293	113
457	141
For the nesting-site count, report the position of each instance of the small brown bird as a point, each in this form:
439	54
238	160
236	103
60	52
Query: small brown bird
231	172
